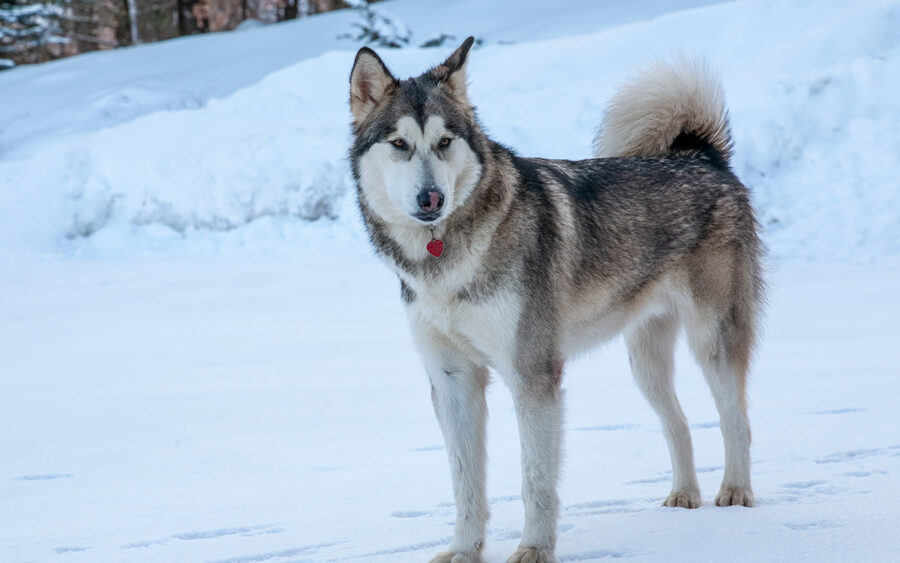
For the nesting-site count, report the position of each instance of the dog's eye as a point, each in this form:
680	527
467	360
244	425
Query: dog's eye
399	143
444	142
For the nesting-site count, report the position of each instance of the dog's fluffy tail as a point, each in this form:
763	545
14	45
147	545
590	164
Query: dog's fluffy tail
673	109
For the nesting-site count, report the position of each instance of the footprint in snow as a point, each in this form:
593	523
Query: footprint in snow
411	513
284	553
806	526
43	477
854	455
210	534
445	508
602	554
615	506
651	480
702	425
396	550
599	504
427	449
70	549
803	484
710	469
246	531
864	473
840	411
503	535
606	428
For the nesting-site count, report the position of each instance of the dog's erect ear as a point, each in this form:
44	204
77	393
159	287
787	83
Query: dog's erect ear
452	72
370	83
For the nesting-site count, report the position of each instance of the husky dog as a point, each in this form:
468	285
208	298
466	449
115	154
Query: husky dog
518	264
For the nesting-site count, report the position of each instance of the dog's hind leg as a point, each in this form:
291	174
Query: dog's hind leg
720	331
457	393
726	380
651	346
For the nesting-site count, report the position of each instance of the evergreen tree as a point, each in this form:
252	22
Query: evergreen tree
27	27
377	27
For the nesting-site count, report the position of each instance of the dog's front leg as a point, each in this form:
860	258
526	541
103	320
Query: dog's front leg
457	392
538	400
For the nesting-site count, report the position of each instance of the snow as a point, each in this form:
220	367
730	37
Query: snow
225	409
157	148
201	360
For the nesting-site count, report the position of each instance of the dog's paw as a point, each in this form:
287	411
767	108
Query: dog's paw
734	496
683	499
532	555
457	557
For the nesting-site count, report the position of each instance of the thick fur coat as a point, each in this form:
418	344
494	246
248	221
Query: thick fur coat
544	259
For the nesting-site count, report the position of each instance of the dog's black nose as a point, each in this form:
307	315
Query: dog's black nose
430	200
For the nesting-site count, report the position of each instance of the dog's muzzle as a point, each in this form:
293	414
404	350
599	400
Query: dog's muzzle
430	202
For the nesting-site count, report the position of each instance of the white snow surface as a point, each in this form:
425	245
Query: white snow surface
200	359
225	409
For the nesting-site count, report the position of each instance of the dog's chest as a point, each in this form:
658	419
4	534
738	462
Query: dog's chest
487	326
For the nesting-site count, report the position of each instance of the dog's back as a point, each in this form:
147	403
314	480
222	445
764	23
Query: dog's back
658	222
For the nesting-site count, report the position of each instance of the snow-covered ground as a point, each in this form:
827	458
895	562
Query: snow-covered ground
224	409
200	360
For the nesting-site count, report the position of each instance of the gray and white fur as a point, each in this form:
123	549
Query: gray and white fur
544	259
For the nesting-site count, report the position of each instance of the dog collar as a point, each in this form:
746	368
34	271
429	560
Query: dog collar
435	247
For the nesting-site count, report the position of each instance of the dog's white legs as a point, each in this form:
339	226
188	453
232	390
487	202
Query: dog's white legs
539	409
726	378
457	392
651	348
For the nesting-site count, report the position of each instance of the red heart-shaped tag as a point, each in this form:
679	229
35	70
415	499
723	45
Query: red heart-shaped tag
435	247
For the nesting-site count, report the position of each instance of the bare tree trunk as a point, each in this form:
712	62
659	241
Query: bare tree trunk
187	23
290	10
133	20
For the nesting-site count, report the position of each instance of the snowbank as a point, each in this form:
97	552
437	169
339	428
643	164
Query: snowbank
811	88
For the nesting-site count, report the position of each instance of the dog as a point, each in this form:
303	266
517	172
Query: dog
518	264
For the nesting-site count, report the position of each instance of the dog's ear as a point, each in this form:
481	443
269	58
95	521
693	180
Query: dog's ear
452	72
370	83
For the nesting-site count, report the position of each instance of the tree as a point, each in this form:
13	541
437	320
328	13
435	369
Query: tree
133	21
34	31
28	27
377	27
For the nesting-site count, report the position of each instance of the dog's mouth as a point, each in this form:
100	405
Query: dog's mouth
427	217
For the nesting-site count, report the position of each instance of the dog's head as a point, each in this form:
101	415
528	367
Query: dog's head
414	154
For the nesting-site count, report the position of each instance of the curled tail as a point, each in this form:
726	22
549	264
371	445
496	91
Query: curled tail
673	109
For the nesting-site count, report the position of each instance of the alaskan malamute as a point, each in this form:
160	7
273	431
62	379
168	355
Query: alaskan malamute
517	264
